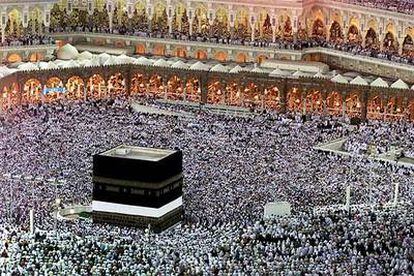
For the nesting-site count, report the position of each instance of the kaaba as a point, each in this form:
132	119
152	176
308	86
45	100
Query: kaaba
138	187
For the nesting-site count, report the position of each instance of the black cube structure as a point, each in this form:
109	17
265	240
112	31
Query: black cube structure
137	186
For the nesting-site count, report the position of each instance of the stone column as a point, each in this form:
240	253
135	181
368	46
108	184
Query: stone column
274	27
253	20
211	18
343	106
46	18
304	101
231	21
110	9
295	27
400	45
282	96
170	17
381	41
3	25
190	15
364	104
150	14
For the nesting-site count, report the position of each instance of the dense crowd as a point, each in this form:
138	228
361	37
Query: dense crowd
27	40
403	6
383	138
233	166
289	43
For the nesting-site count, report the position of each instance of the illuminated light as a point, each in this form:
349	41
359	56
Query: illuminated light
318	102
297	101
337	104
378	108
358	105
256	97
277	99
398	110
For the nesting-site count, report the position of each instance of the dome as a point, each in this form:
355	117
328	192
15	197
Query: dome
85	55
67	52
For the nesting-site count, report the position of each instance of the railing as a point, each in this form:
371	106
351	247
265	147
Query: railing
27	47
238	47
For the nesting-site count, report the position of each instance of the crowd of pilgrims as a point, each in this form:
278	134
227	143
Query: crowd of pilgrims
403	6
233	166
27	40
397	135
389	52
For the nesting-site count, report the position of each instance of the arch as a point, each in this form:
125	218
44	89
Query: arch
271	98
220	23
159	50
200	22
175	88
35	23
233	94
354	36
294	100
160	18
390	43
139	20
34	57
285	28
140	6
193	90
12	58
394	108
138	84
156	87
216	94
241	24
408	46
221	56
371	39
375	108
264	25
201	55
116	85
354	20
261	58
32	91
180	52
373	24
96	87
314	102
335	32
14	25
51	92
318	28
353	105
251	95
336	16
140	49
390	28
180	17
54	82
334	103
241	58
75	87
